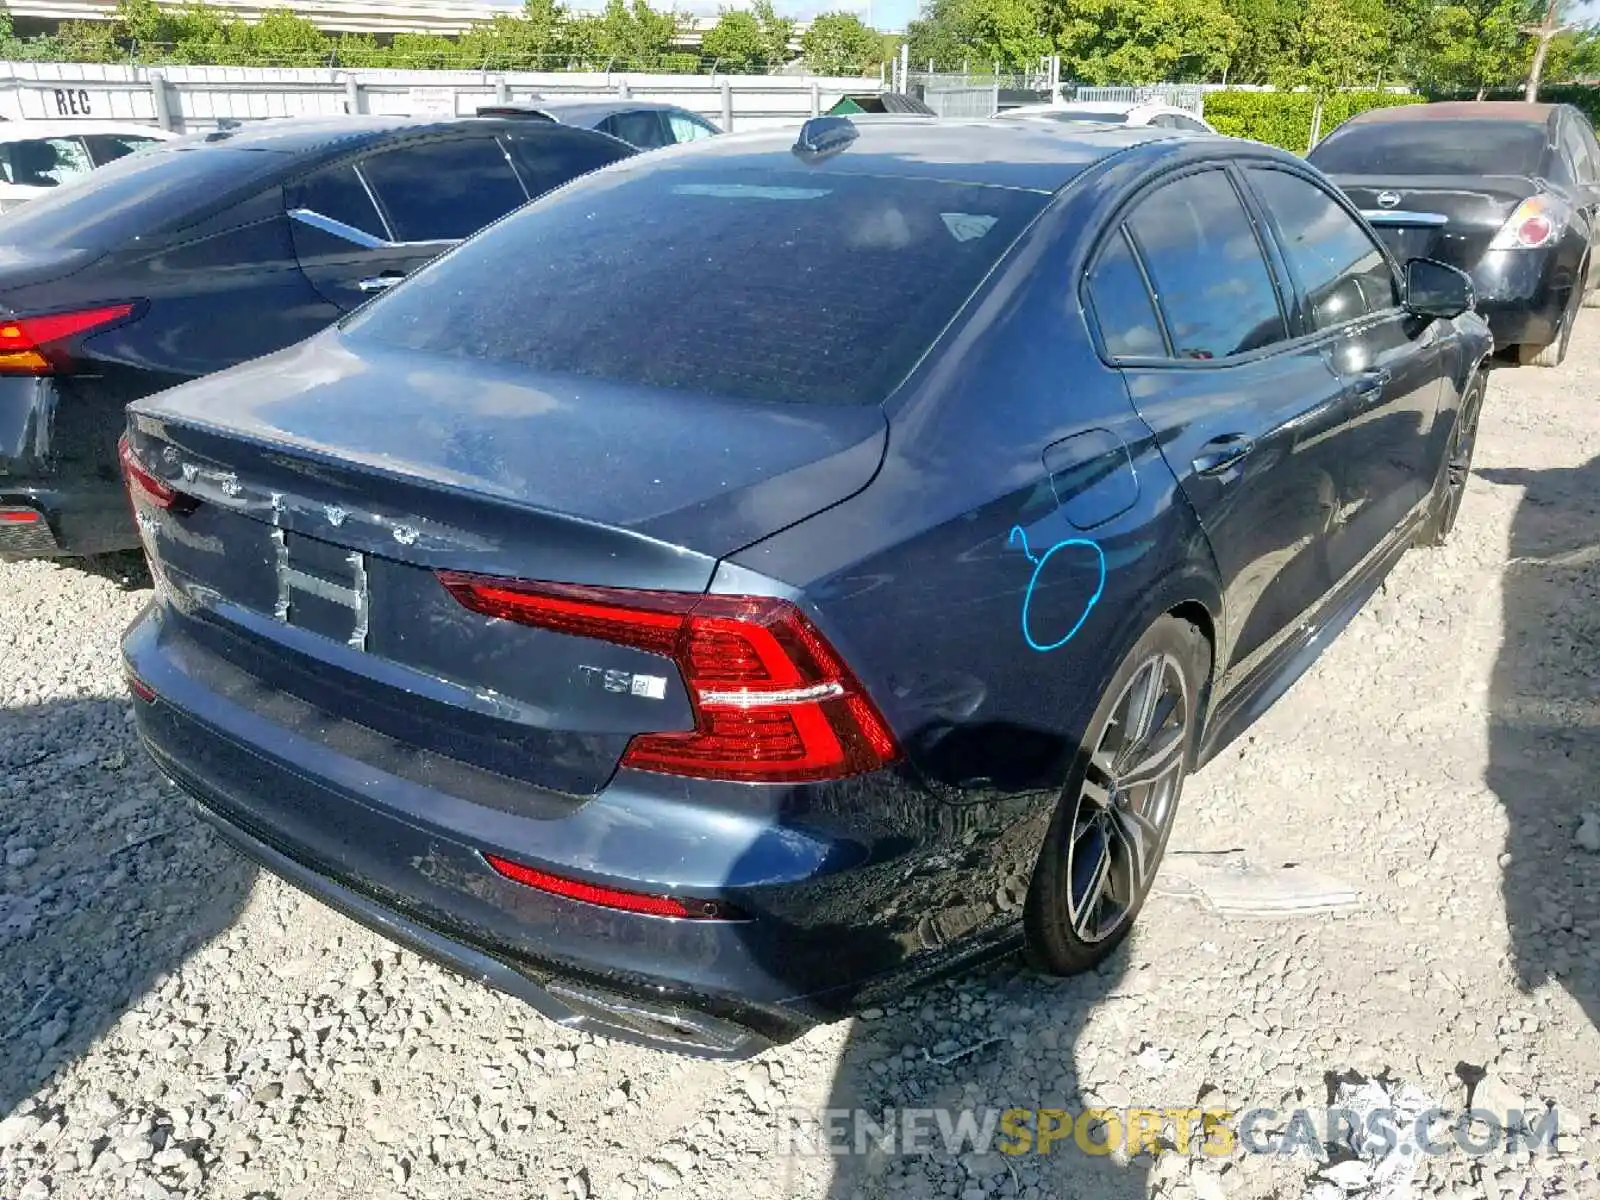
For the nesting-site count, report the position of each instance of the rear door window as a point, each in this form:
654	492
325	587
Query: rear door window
1210	277
1340	270
337	192
1123	307
788	286
44	162
547	158
1574	149
443	190
643	128
108	147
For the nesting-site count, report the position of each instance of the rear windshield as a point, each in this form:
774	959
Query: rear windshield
136	195
805	287
1433	147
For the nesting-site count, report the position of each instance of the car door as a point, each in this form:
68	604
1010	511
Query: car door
1577	145
364	224
1191	309
1389	362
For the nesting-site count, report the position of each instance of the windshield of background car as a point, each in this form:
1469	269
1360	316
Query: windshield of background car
1433	147
787	286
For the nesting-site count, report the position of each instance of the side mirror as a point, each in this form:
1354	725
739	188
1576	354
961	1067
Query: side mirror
1435	289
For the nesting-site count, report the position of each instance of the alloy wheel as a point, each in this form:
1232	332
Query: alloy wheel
1129	796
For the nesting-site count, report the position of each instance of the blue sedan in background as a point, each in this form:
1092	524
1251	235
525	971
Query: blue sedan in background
816	566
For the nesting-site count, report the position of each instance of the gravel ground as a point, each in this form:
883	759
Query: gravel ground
172	1023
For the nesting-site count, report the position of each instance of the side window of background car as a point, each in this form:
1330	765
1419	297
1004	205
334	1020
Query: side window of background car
643	128
1574	148
1210	278
688	128
337	193
1189	123
1340	269
44	162
108	147
546	162
444	190
1161	121
1122	305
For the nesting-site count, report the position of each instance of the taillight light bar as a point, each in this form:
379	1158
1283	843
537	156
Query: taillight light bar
36	345
140	480
773	701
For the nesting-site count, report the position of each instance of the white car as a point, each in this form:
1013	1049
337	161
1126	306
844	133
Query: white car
1110	112
36	156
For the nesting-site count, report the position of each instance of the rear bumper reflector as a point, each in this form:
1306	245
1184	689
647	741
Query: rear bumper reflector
25	531
589	893
139	687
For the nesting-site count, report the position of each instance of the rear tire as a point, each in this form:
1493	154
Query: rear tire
1451	486
1115	814
1555	353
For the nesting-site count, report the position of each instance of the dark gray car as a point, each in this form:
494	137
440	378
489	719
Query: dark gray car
644	124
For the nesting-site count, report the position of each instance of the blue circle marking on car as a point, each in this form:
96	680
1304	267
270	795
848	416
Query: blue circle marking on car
1018	533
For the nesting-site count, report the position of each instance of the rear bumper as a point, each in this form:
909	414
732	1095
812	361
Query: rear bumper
79	517
834	918
1523	294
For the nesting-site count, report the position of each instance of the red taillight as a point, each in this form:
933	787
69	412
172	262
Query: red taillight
32	345
1536	222
20	516
138	476
1535	231
140	688
589	893
773	702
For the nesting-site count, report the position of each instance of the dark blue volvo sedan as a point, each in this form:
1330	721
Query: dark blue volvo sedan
770	572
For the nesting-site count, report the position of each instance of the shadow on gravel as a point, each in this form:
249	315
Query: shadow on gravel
1544	741
983	1044
107	884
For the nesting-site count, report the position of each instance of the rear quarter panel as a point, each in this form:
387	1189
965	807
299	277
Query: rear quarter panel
986	654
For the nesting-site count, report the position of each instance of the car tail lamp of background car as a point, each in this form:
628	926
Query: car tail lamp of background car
773	701
41	345
1536	222
144	485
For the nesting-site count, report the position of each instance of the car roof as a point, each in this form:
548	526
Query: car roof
1516	111
308	135
16	131
1019	154
579	112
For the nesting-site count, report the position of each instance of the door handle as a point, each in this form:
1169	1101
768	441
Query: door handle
379	283
1368	386
1221	453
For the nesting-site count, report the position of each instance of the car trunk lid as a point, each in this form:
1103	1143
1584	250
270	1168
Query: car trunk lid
1474	209
333	488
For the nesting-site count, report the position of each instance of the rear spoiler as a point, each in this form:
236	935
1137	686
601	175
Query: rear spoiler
526	111
1394	217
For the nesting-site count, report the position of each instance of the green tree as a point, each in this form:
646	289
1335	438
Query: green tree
979	33
1266	27
776	33
840	43
1334	44
630	35
1143	41
735	43
1473	45
284	38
